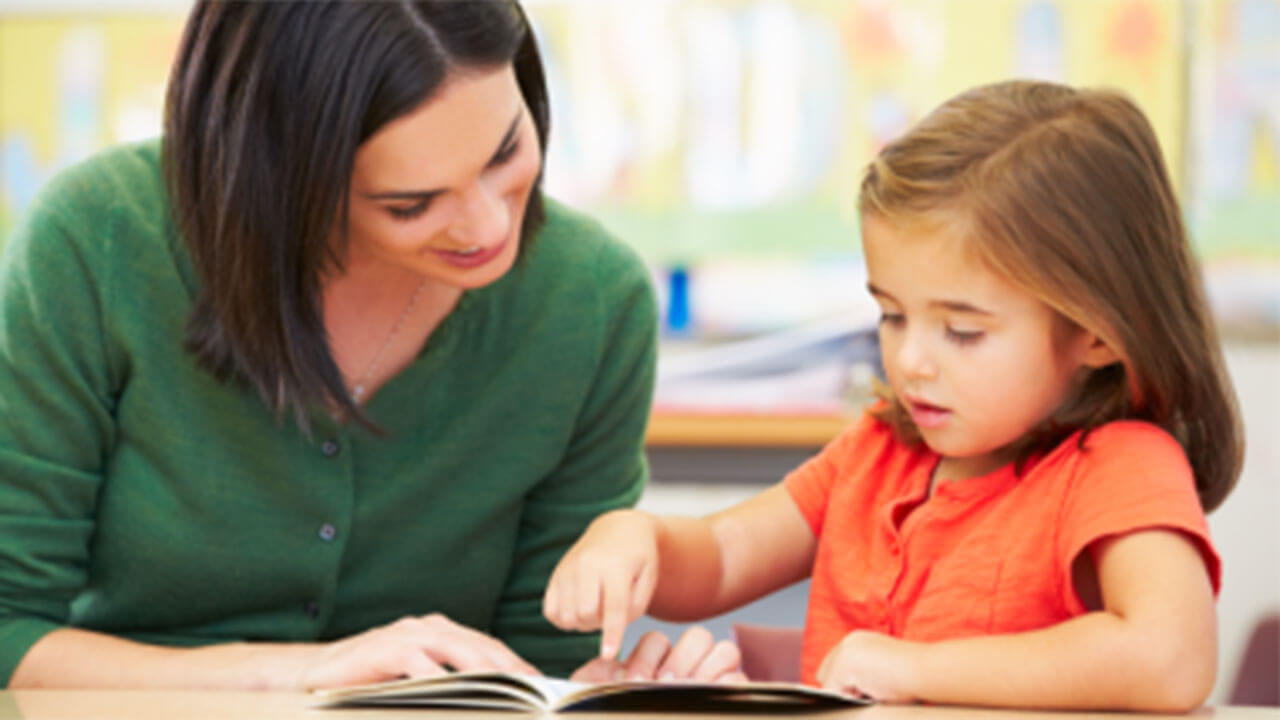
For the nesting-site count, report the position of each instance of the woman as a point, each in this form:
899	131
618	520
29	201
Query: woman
318	392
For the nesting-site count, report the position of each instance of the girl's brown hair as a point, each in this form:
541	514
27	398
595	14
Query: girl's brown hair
1065	193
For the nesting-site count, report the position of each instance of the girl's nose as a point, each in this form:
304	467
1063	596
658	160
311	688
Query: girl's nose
914	359
483	219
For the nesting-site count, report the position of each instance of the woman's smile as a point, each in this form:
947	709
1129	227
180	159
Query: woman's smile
473	256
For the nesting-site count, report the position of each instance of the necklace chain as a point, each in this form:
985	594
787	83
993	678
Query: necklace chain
357	392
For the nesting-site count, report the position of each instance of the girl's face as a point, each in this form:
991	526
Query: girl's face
977	361
441	191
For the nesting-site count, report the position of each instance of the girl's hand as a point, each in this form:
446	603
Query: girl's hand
696	656
606	579
871	664
410	647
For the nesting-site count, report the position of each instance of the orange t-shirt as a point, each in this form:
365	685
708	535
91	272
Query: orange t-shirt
984	555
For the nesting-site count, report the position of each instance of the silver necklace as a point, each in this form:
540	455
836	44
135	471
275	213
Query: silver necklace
357	392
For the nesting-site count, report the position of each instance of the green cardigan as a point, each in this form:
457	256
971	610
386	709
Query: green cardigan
142	498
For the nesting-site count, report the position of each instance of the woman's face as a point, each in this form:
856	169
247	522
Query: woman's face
441	191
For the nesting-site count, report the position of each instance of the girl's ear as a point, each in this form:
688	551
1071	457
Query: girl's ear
1096	352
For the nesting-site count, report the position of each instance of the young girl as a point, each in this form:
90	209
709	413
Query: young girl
1020	522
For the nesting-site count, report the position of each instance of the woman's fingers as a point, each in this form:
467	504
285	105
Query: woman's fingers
415	664
696	656
647	656
721	664
465	648
410	647
688	652
598	670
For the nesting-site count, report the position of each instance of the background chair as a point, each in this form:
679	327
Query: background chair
1258	679
769	653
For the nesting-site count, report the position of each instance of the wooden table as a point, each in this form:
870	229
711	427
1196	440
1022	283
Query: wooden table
153	705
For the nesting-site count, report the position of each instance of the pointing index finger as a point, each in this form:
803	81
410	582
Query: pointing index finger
614	621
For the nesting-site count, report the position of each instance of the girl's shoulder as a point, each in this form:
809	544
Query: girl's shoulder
1138	452
1127	475
1128	438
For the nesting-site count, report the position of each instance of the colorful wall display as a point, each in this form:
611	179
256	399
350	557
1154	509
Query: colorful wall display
713	128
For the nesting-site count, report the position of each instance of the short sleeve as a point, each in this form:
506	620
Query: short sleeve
1133	476
810	484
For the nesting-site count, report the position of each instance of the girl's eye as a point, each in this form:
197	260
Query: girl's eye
964	337
892	319
409	212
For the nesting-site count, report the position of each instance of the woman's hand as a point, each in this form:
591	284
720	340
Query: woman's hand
410	647
606	579
696	656
871	664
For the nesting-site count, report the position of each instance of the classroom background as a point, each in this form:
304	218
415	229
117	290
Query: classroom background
724	139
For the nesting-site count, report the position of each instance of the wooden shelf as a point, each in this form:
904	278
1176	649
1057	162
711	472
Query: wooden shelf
687	429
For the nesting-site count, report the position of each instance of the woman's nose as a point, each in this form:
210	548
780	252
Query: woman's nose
484	218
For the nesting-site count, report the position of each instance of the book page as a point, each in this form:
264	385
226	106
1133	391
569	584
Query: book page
554	690
477	689
525	692
680	695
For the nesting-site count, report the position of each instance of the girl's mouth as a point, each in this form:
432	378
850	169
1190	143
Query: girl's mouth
926	415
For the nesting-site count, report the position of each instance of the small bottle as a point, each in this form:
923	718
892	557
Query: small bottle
678	321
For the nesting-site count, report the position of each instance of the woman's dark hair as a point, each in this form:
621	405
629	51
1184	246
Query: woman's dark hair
266	106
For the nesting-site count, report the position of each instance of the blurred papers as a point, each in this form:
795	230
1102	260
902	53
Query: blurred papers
809	369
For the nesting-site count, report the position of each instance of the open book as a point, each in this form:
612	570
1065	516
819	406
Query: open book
505	691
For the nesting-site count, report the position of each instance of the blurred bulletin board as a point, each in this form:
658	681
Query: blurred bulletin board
1234	129
738	128
72	83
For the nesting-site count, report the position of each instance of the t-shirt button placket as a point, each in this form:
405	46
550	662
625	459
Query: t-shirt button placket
328	532
329	448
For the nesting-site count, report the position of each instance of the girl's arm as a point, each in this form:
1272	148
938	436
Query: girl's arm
717	563
1152	647
678	568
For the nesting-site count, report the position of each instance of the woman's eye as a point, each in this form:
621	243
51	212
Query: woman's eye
964	337
505	153
409	212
